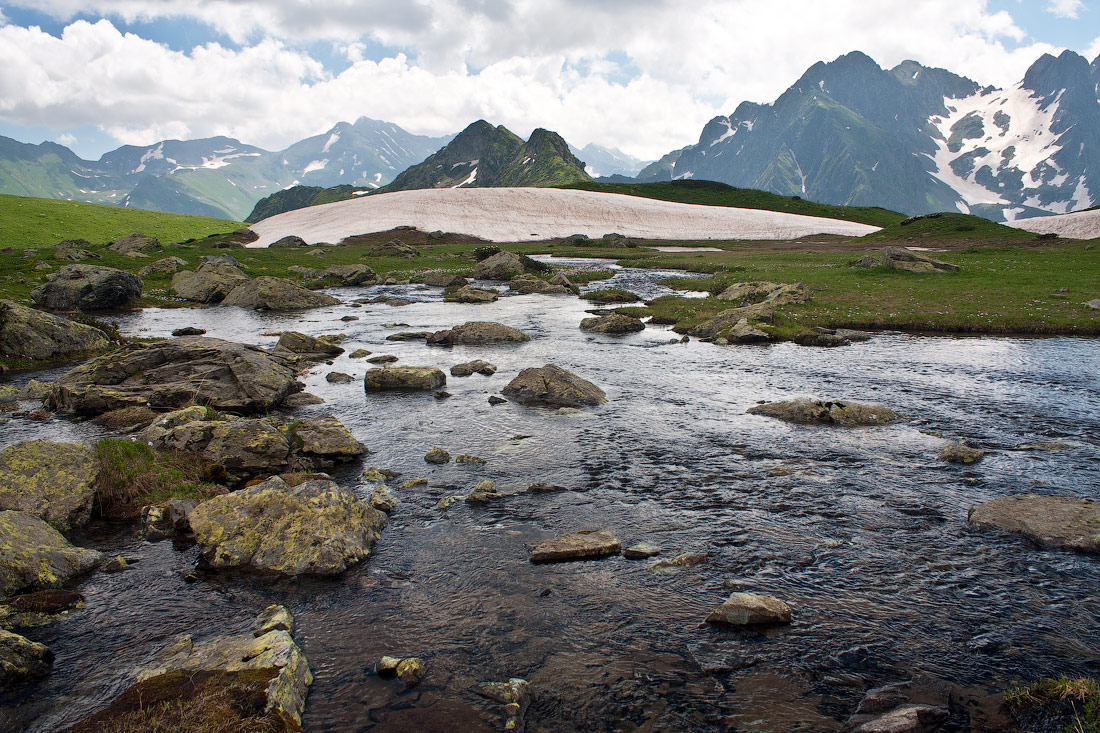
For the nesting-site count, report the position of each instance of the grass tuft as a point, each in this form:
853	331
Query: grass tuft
133	475
1069	705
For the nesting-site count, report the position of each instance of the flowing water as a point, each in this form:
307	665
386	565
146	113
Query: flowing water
862	531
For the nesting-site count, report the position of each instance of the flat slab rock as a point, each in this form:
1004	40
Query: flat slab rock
819	412
1058	522
402	378
750	609
582	545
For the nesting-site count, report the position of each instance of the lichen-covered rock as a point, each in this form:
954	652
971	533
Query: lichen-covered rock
528	283
34	555
582	545
53	481
276	294
553	386
274	649
818	412
1059	522
411	671
514	697
437	456
750	609
288	242
324	441
86	288
484	493
294	342
684	560
170	374
445	280
961	453
21	660
500	266
900	258
744	332
641	551
210	283
613	323
136	243
477	366
720	325
393	248
165	266
470	294
403	378
350	274
26	333
478	333
382	500
315	527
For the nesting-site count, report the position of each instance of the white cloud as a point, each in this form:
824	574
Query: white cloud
521	63
1065	8
66	139
1093	50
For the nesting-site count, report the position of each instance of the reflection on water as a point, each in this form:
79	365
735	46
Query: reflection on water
863	532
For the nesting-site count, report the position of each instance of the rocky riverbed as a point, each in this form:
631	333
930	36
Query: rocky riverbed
861	531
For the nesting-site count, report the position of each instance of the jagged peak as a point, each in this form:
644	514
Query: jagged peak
1049	74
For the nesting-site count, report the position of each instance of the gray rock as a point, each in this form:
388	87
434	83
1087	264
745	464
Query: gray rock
478	333
750	609
1093	304
501	266
71	251
383	359
514	697
87	287
26	333
484	492
21	660
900	258
477	366
1059	522
720	325
582	545
445	280
136	243
179	514
961	453
316	528
34	555
403	378
470	294
438	456
52	481
220	260
170	374
817	412
293	342
350	274
189	331
613	323
210	283
528	283
166	266
288	242
276	294
744	332
827	340
550	385
641	551
339	378
382	500
393	248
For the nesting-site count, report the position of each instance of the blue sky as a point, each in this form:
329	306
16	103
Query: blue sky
641	75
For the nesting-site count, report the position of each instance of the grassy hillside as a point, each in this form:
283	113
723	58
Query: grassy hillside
948	226
710	193
299	197
34	222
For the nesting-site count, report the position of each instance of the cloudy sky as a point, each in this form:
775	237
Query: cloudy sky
640	75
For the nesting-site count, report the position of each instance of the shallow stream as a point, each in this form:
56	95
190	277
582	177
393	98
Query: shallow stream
862	531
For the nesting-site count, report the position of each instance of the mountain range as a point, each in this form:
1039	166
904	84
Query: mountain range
912	138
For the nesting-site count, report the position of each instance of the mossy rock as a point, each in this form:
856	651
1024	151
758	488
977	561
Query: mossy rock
34	555
52	481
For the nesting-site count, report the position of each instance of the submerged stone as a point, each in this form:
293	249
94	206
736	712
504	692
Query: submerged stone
581	545
750	609
818	412
961	453
1059	522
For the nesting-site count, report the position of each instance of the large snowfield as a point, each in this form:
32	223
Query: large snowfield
1079	225
528	214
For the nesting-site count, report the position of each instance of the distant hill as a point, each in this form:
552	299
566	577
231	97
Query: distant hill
216	176
299	197
486	156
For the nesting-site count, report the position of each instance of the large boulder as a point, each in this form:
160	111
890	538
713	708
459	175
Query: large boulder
136	243
818	412
777	293
276	294
350	274
553	386
442	279
721	325
87	288
313	528
393	248
26	333
613	323
252	447
403	378
1059	522
900	258
478	333
21	659
270	646
53	481
171	374
210	283
288	242
34	555
303	345
528	283
501	266
165	266
744	332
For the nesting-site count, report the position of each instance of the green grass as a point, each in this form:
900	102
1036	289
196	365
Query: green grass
710	193
35	222
1058	703
949	226
133	475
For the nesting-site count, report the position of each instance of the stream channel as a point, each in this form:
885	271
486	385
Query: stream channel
862	531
